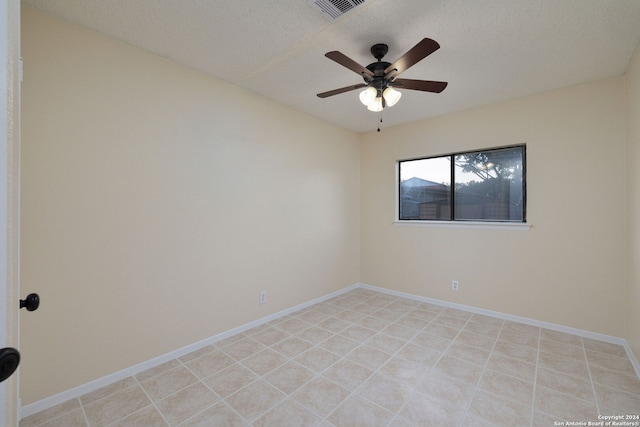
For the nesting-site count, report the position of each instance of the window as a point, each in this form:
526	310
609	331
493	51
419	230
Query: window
486	185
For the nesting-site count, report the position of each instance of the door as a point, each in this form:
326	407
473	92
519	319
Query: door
9	196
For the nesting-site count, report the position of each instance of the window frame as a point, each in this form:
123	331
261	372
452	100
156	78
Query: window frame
464	223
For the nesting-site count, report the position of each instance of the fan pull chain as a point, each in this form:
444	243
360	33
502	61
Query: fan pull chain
380	119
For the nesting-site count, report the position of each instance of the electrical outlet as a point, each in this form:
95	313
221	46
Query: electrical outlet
263	297
455	285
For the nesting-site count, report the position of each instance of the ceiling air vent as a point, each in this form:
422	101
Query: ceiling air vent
333	9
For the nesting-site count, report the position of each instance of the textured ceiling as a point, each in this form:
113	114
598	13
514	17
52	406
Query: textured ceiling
491	50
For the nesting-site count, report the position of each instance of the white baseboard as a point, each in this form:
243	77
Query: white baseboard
76	392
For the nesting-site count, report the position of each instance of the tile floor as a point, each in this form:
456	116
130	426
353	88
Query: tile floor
370	359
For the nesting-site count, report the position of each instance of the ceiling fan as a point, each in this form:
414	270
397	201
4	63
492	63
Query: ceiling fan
380	77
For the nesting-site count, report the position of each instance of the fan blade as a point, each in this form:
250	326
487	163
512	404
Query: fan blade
345	61
417	53
423	85
341	90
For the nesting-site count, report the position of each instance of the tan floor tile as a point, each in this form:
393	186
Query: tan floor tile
70	419
481	329
500	411
264	361
230	340
510	366
563	406
338	345
482	319
424	410
327	308
108	390
566	365
540	419
386	343
243	348
561	349
116	406
195	354
271	336
414	353
445	388
441	331
51	413
515	337
507	387
405	371
314	335
432	342
449	321
292	347
608	361
615	379
348	374
460	314
481	341
516	351
521	328
414	322
621	401
389	315
255	399
468	353
164	367
359	412
604	347
289	377
402	305
333	325
167	383
148	416
230	380
182	405
399	331
386	392
358	333
311	316
288	413
460	369
350	315
561	337
374	323
210	363
574	386
321	395
363	308
219	415
368	357
317	359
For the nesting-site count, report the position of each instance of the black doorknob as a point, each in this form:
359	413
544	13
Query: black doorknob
9	361
31	303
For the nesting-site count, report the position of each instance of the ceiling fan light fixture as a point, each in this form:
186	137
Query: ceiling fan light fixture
391	96
368	96
376	105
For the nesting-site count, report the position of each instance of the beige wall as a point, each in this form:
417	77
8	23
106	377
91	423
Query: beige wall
569	267
633	204
158	202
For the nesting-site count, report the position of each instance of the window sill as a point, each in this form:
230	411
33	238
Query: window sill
517	226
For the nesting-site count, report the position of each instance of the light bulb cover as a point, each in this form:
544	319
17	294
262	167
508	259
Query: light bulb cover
391	96
368	96
376	105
